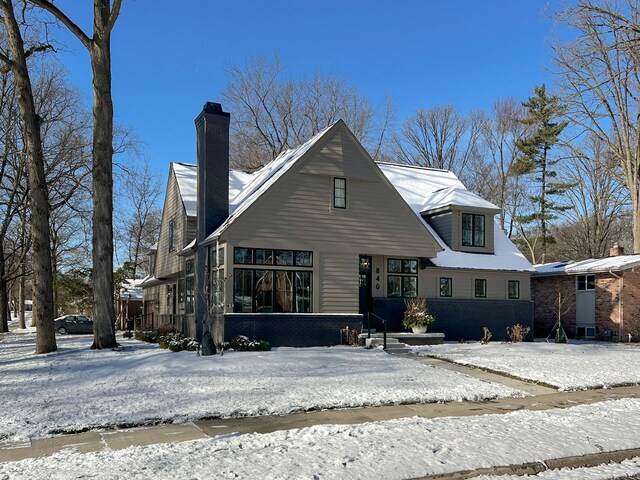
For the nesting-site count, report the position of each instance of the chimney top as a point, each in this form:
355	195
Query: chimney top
215	108
616	250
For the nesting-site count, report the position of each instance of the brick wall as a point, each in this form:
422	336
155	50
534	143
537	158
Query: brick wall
544	293
607	302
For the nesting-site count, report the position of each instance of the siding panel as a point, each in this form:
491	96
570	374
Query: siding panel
338	283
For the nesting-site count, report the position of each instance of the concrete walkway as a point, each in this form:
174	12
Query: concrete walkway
542	398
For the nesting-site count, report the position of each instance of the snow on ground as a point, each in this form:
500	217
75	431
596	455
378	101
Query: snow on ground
572	366
601	472
75	387
395	449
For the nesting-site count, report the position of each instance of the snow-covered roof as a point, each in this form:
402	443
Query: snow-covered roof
419	187
187	178
456	197
132	287
592	265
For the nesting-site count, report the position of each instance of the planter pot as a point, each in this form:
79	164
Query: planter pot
419	330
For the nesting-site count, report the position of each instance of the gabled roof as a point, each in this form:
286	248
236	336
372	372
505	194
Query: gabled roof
420	186
264	178
592	265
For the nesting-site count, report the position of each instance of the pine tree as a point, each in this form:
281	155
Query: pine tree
543	112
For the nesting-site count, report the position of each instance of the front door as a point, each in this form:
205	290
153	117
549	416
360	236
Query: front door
365	285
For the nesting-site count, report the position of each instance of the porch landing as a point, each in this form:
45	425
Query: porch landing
401	339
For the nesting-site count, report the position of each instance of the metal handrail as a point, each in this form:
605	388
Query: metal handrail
384	324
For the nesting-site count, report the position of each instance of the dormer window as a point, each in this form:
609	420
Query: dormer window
339	193
472	230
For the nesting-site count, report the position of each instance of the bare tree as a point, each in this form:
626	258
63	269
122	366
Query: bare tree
599	72
272	113
105	15
494	177
139	221
439	137
15	58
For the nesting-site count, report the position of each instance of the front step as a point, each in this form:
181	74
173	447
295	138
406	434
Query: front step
393	345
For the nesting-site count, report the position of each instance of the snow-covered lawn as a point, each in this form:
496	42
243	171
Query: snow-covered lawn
75	387
572	366
395	449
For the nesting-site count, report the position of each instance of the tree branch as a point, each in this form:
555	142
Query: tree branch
113	16
70	24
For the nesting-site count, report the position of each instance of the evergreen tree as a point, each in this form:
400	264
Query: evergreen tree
535	159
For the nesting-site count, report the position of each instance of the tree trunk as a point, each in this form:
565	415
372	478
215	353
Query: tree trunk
4	295
636	217
104	335
21	296
40	244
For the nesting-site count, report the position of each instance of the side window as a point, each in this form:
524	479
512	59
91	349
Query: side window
402	278
472	230
480	288
339	193
172	235
586	282
446	287
513	289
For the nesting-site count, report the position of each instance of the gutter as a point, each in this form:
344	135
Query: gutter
620	302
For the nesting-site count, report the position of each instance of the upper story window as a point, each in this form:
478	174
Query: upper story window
339	193
472	230
172	235
586	282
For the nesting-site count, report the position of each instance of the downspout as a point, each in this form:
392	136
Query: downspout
620	302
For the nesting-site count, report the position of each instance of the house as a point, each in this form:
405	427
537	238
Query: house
321	238
129	303
598	298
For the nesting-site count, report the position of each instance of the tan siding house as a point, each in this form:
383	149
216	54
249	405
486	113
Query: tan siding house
321	238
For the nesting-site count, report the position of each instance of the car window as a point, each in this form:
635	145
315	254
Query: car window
82	319
70	319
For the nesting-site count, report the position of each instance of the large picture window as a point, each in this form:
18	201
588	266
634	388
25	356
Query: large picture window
268	291
264	256
472	230
402	278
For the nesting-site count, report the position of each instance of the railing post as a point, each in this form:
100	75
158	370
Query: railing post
369	324
384	323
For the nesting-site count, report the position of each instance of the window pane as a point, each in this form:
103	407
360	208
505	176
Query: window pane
189	266
284	292
264	257
303	292
339	193
591	282
242	284
221	257
394	286
409	286
181	290
264	291
189	287
514	289
581	283
242	255
304	259
467	229
409	266
478	230
445	287
394	266
284	257
480	288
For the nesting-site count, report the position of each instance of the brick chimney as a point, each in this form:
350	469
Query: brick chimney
616	250
212	133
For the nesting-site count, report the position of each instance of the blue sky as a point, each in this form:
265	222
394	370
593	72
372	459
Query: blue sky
169	57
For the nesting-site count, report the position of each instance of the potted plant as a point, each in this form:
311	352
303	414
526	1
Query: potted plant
417	316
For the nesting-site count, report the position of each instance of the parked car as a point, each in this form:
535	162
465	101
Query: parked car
73	324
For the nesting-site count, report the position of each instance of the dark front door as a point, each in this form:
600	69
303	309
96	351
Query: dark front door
365	285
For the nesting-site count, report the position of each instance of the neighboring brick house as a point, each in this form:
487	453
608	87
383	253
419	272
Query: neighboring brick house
600	298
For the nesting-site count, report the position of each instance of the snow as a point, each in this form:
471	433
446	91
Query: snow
133	288
428	189
592	265
80	388
149	384
572	366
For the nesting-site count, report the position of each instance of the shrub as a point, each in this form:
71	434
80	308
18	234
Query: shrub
166	329
241	343
417	314
487	336
517	333
146	336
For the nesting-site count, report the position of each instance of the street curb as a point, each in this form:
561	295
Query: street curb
533	468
